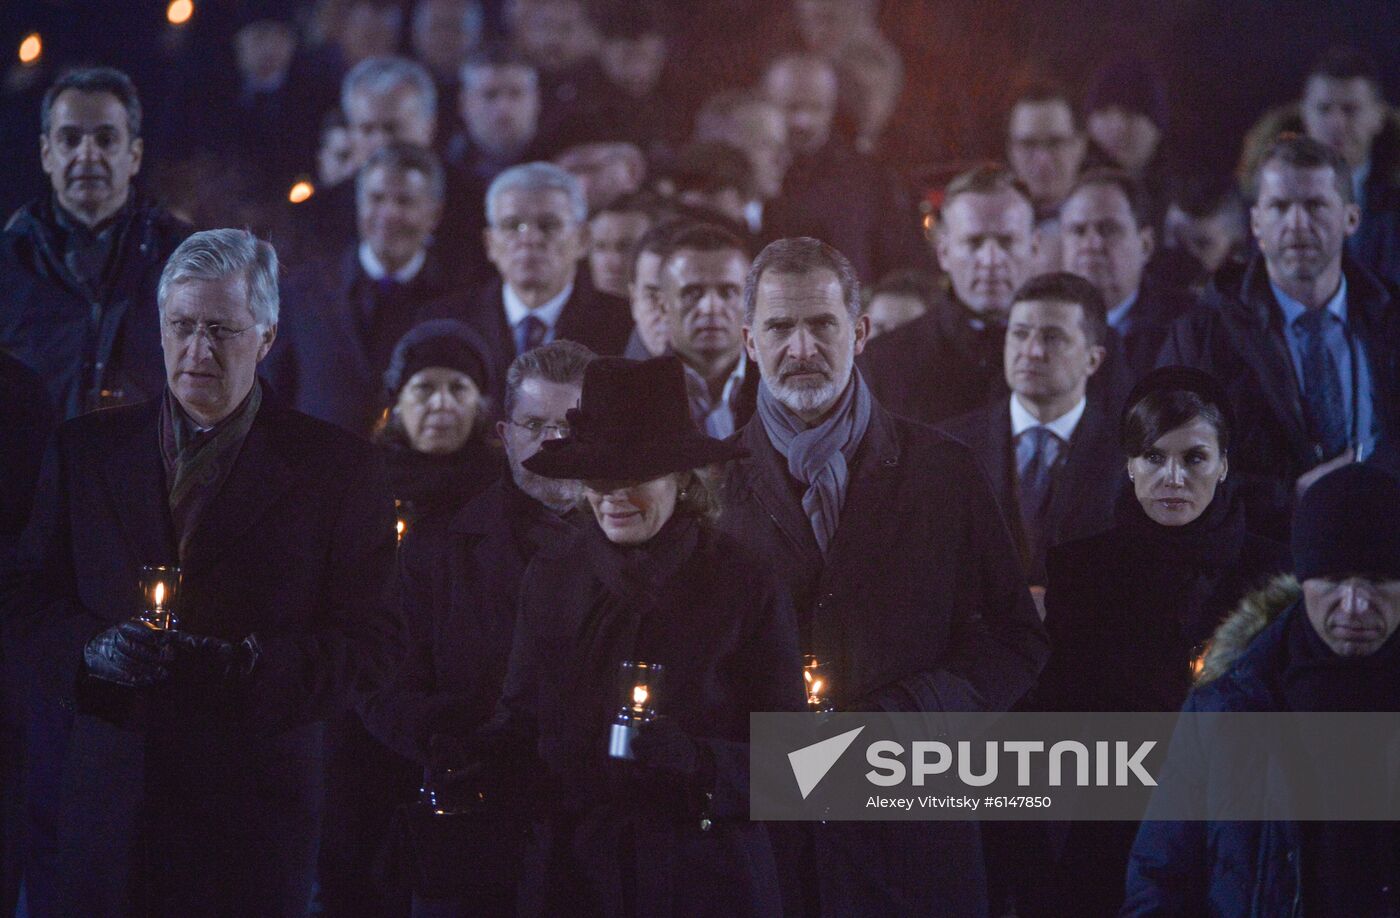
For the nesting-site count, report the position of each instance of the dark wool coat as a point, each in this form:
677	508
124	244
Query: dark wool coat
1238	337
297	549
596	320
1235	869
82	348
921	606
1149	322
717	619
336	333
1088	479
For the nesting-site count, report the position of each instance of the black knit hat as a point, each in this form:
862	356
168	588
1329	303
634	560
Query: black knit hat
438	343
633	424
1129	83
1348	522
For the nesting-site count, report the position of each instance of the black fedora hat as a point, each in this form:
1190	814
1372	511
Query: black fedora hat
632	424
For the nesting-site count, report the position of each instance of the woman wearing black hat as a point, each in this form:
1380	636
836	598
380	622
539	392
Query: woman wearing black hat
434	435
652	582
1129	609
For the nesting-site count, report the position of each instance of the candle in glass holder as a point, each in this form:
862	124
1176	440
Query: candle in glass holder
816	681
160	592
638	685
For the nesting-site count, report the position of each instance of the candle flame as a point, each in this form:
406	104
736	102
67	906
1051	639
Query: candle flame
179	12
817	686
399	527
301	191
158	594
30	49
639	696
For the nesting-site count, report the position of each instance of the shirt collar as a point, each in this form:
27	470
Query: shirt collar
1062	427
1293	310
376	270
1118	314
548	312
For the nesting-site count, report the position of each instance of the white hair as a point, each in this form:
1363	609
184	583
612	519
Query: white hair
215	254
385	74
538	176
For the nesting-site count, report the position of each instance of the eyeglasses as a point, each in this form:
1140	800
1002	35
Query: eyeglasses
185	329
549	227
537	428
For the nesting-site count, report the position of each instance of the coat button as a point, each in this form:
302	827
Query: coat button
1290	857
705	825
891	463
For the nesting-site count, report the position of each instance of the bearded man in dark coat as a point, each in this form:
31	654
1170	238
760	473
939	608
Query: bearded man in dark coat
902	570
191	783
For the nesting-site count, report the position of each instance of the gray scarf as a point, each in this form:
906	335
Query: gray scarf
819	456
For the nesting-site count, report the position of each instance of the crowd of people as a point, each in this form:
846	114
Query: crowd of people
538	379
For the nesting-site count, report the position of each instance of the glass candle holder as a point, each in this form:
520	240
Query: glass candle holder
816	682
160	594
638	687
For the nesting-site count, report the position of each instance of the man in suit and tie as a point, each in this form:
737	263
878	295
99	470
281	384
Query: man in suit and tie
537	234
191	783
1305	340
345	313
1050	450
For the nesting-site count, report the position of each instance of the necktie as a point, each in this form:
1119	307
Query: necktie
1322	385
1036	452
531	333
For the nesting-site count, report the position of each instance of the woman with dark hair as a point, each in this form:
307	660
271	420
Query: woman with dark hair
664	830
434	434
1128	610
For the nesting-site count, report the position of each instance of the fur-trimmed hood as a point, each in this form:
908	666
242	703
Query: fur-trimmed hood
1241	627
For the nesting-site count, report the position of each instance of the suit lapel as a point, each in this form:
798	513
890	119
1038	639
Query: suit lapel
869	517
1266	354
768	482
260	476
1076	475
135	474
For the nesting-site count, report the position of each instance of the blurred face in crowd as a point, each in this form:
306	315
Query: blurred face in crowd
804	341
614	236
826	25
89	154
888	311
806	92
438	407
703	293
1044	149
535	242
369	29
1175	480
1301	222
760	130
212	346
1103	243
727	201
607	171
986	244
634	64
397	213
1129	137
444	32
555	34
631	512
1344	114
376	119
264	50
648	305
333	163
539	414
1353	615
1210	238
501	107
1048	357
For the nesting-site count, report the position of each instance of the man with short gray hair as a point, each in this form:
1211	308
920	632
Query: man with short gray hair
79	264
900	566
536	235
194	745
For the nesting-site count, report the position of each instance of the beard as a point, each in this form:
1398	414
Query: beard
555	493
807	399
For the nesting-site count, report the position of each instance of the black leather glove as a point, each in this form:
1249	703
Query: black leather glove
215	657
662	746
132	653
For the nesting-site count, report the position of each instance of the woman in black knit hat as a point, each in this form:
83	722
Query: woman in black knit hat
1129	609
434	434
